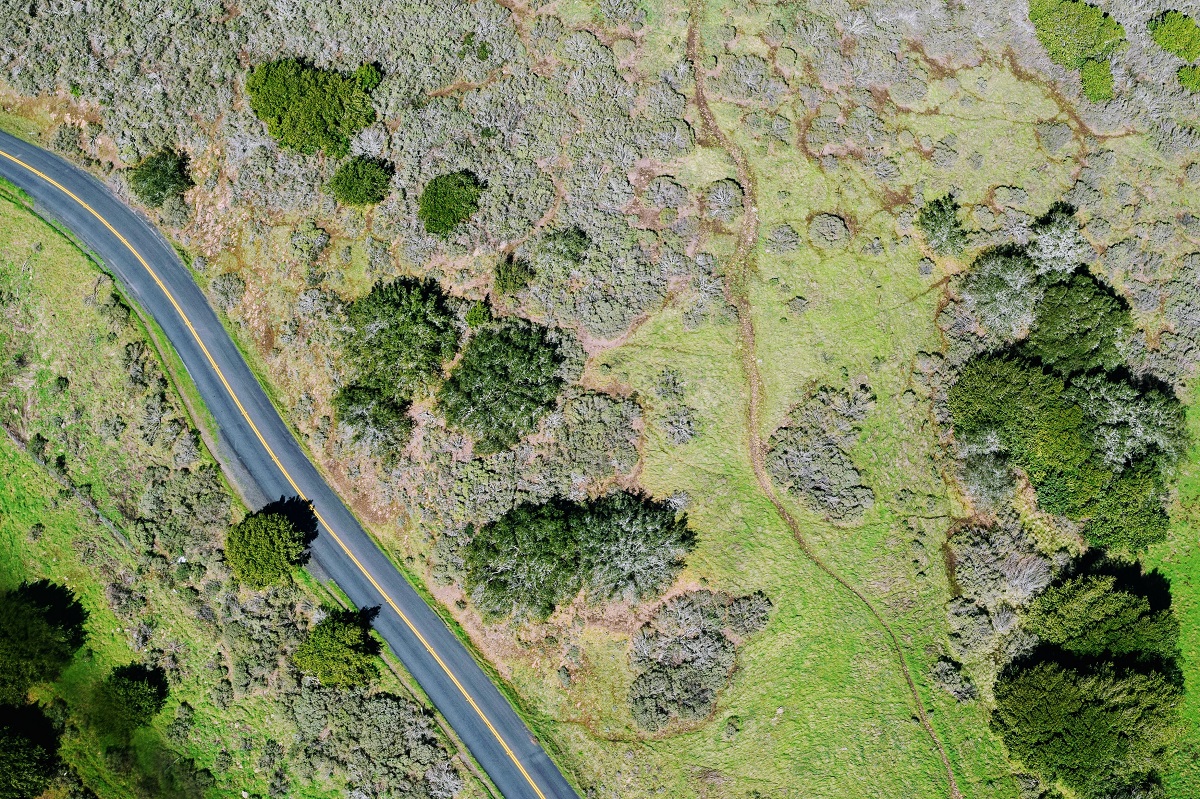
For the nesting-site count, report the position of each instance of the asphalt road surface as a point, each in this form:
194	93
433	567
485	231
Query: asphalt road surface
258	448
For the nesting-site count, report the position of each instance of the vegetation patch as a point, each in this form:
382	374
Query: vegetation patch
507	379
340	651
1074	32
535	557
264	549
448	201
1097	79
1189	77
1177	33
361	181
159	177
938	220
310	109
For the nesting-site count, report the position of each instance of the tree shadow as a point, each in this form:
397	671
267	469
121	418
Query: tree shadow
59	605
297	511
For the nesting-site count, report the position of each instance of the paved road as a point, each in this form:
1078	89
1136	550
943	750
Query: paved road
263	451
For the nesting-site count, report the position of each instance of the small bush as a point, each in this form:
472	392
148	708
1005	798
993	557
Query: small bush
448	201
506	380
512	275
1097	79
1176	33
310	109
340	651
938	220
263	549
361	181
130	697
1074	32
160	176
1189	77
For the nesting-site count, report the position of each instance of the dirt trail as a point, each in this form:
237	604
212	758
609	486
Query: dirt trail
735	290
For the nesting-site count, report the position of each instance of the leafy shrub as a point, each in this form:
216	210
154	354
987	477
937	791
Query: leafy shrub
130	697
339	650
938	220
1080	325
948	676
505	381
809	456
685	654
1097	79
1189	77
535	557
448	201
227	290
311	109
162	175
512	275
361	181
1057	245
1074	32
1089	727
41	626
1176	33
1001	290
263	549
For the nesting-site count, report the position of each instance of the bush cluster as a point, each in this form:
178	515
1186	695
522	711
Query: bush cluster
1078	35
447	201
339	650
938	220
264	548
160	176
536	557
130	697
311	109
1177	33
685	654
809	455
507	378
361	181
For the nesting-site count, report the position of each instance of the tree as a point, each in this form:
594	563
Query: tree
1074	32
361	181
633	547
1092	615
130	697
512	275
1176	33
28	752
506	380
264	548
1088	727
41	626
339	650
162	175
938	220
1080	325
448	201
310	109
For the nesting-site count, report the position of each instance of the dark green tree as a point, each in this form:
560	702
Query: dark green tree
361	181
506	380
339	650
311	109
1130	513
448	201
1079	325
162	175
130	697
938	220
633	546
263	549
28	752
41	626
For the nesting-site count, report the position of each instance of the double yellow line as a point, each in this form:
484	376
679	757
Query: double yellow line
217	369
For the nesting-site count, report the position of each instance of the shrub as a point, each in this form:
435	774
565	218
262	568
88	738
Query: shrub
162	175
506	380
535	557
376	420
1130	514
310	109
41	626
130	697
938	220
1189	77
1074	32
1176	33
448	201
1097	79
361	181
340	651
512	275
263	549
1087	727
1002	289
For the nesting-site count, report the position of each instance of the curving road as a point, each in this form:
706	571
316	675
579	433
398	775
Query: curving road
259	449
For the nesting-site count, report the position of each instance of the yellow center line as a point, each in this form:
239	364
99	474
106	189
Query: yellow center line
212	362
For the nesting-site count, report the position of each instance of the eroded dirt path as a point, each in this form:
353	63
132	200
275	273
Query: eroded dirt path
737	274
